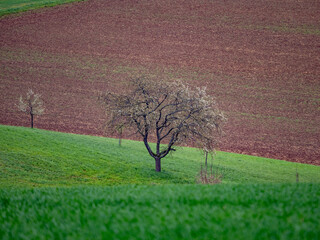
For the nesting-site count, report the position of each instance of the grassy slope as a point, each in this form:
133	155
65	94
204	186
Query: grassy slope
33	157
15	6
225	211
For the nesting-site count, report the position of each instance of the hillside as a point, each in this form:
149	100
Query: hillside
64	186
260	59
39	158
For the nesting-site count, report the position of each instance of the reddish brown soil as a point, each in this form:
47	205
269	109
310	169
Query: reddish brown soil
261	59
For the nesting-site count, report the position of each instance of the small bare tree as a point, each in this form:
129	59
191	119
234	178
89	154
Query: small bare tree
114	124
119	130
207	175
32	105
171	113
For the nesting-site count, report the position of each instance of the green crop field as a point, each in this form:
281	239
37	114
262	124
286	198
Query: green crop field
15	6
225	211
63	186
250	54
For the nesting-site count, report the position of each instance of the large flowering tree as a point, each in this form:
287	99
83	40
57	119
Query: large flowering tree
169	113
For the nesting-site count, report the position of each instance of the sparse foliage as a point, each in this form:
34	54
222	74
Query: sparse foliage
169	113
31	105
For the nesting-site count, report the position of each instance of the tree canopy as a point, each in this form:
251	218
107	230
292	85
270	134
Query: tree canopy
32	105
169	113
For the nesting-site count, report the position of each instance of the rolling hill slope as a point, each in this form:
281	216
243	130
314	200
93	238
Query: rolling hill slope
147	205
34	157
260	59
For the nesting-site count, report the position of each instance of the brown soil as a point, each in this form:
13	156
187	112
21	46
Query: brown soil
260	59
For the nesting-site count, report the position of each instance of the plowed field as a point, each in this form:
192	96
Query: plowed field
260	59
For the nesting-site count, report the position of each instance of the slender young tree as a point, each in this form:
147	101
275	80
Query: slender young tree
169	113
31	105
119	129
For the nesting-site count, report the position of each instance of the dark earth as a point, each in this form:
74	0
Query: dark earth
260	60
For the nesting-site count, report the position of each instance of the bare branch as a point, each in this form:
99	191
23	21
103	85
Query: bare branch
166	110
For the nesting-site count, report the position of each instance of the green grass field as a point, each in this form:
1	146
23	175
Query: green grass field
225	211
64	186
15	6
39	158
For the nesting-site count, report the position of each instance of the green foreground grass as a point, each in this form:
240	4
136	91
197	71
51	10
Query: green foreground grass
225	211
39	158
53	186
15	6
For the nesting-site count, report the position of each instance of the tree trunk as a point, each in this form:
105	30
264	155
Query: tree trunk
31	120
206	162
158	164
120	136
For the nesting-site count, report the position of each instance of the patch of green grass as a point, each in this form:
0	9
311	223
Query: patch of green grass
225	211
39	158
304	29
61	209
15	6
